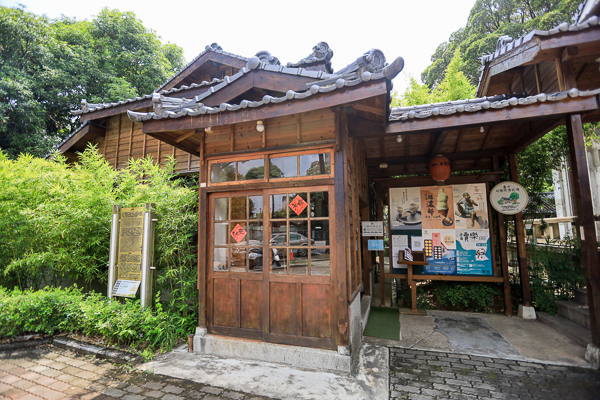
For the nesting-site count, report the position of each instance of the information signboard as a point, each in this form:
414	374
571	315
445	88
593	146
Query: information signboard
375	245
131	230
509	198
449	223
125	288
372	228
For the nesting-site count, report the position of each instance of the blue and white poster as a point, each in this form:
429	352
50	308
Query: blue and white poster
474	252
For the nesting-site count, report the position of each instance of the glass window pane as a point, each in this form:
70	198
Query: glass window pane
315	164
221	209
255	207
319	204
251	169
299	233
238	259
319	231
278	204
283	167
278	234
238	208
298	205
238	233
279	260
320	262
222	172
298	261
220	257
255	233
255	258
221	233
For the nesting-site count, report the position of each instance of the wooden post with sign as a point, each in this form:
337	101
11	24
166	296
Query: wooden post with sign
114	247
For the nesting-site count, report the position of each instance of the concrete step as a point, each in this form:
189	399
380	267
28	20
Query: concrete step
576	333
574	312
581	296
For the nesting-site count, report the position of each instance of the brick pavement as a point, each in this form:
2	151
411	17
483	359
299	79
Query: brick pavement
425	375
49	373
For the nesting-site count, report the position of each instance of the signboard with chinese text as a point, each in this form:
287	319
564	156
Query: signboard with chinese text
129	259
509	198
372	228
125	288
375	245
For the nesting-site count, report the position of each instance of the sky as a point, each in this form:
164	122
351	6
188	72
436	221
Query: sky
411	29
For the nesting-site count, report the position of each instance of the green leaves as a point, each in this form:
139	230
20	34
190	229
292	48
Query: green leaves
48	66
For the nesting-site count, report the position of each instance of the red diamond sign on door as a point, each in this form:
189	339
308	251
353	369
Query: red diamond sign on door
238	233
298	205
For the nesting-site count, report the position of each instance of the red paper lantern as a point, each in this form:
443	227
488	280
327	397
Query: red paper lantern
439	167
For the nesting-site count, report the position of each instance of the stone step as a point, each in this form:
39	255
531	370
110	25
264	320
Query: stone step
576	333
574	312
581	296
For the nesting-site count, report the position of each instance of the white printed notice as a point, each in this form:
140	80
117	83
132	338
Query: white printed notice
125	288
399	242
474	252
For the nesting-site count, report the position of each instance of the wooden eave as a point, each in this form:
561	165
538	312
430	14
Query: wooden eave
469	140
540	49
79	140
163	129
207	57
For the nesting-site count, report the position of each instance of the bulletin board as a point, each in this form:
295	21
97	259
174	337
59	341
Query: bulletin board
449	223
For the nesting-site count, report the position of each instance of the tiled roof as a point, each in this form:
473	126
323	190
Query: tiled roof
506	43
481	104
326	84
89	107
214	48
321	52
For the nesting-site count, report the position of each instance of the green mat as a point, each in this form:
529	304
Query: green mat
383	323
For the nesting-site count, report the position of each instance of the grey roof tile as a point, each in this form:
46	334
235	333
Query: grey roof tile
400	114
321	53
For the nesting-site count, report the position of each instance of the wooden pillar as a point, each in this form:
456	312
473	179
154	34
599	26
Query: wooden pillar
341	261
379	203
366	254
202	245
520	235
503	249
585	216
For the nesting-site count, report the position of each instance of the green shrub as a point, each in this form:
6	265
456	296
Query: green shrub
555	272
123	323
55	222
465	296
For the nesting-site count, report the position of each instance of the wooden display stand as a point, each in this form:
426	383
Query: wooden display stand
418	259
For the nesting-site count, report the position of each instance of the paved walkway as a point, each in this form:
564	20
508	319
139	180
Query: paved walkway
50	373
425	375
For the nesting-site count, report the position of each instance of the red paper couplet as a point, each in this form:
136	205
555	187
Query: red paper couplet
238	233
298	204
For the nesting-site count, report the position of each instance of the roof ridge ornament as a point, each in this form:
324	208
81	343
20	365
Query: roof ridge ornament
372	61
213	47
266	58
321	52
503	41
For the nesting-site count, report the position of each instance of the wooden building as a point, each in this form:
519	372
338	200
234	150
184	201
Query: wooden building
292	158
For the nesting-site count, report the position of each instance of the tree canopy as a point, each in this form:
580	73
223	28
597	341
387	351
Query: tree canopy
49	65
488	20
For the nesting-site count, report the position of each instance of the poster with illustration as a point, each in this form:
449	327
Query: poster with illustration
470	205
440	250
438	210
405	208
473	252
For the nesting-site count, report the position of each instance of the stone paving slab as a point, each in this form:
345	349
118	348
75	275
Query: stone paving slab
51	373
426	375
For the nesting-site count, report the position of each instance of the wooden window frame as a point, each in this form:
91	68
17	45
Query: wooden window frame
267	157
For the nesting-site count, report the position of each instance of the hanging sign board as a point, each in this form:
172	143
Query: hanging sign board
375	245
372	228
509	198
130	244
125	288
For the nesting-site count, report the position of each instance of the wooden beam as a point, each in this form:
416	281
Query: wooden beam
186	135
585	217
538	80
520	235
202	247
368	109
90	128
524	137
379	210
413	181
492	116
438	141
319	101
163	137
358	126
462	155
